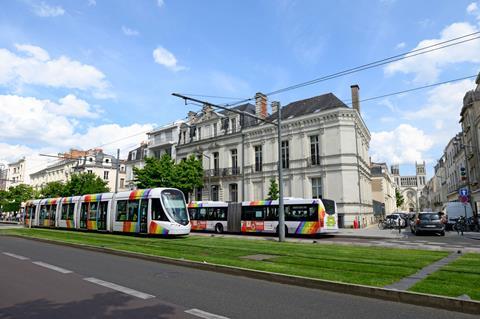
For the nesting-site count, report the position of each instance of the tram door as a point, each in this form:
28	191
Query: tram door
84	216
143	215
102	216
53	215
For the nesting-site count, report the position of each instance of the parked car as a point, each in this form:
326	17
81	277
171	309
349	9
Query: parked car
428	222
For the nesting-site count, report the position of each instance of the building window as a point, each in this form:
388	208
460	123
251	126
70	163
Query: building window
214	129
314	150
122	182
214	191
316	187
89	171
105	175
233	190
234	125
285	155
258	158
234	161
216	164
199	133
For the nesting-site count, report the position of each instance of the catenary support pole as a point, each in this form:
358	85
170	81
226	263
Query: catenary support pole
281	212
118	170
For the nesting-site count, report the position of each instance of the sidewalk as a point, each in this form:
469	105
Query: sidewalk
371	232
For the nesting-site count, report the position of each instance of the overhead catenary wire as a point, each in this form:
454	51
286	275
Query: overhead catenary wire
391	59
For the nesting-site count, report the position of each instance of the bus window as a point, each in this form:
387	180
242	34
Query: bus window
221	213
329	206
121	211
210	213
253	213
157	210
272	213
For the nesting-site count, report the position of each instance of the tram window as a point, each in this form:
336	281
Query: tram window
329	206
67	211
92	214
103	206
133	210
32	211
84	211
272	213
64	212
121	211
157	210
143	208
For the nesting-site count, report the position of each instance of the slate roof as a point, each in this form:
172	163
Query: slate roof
311	105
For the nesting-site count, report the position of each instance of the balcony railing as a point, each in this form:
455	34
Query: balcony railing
219	172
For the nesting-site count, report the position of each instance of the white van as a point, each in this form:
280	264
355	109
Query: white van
454	210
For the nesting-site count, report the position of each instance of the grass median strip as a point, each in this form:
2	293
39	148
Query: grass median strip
372	266
461	277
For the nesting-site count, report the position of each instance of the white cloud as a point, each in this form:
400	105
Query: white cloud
400	45
44	10
164	57
160	3
472	8
53	127
427	67
92	3
130	32
38	68
403	145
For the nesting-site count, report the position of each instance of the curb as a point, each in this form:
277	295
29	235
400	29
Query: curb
420	299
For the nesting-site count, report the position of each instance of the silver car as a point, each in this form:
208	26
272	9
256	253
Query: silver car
428	222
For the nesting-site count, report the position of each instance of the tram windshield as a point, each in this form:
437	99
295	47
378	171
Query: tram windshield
175	206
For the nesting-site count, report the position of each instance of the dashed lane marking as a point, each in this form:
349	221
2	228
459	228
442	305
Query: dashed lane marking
204	314
122	289
16	256
52	267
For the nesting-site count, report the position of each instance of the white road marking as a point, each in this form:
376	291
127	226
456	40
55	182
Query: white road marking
52	267
204	314
125	290
15	256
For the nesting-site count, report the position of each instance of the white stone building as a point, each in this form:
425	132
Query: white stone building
383	190
17	173
93	161
324	153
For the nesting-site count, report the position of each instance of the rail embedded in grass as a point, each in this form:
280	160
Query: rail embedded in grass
372	266
461	277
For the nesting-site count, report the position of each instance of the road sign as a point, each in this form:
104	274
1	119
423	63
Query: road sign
463	192
463	199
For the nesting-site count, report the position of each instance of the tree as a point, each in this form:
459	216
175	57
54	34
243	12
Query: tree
188	175
12	199
273	190
155	173
164	172
399	198
85	183
52	189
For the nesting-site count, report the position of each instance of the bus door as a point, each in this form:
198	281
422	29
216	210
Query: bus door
271	219
102	215
143	220
84	216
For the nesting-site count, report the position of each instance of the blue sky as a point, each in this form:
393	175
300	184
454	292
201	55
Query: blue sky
85	73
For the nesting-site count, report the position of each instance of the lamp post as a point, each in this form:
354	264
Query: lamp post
209	174
459	141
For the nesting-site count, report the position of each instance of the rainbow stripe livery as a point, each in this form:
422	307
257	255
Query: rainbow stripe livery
157	229
307	228
140	194
69	224
261	203
92	225
93	198
130	227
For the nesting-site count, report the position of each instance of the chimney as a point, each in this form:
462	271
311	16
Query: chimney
355	98
261	105
275	106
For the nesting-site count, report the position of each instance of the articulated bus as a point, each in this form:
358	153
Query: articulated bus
302	216
159	211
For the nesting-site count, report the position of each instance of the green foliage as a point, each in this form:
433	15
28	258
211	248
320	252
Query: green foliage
273	190
164	172
85	183
12	199
399	198
52	189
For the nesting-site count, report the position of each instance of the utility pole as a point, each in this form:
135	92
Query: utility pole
243	162
281	216
118	170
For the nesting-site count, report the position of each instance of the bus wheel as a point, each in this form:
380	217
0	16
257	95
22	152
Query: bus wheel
219	228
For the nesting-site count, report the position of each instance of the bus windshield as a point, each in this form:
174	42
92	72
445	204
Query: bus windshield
175	207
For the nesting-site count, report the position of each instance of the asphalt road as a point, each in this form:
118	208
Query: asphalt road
60	282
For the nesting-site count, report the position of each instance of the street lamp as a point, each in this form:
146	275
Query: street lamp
209	173
458	140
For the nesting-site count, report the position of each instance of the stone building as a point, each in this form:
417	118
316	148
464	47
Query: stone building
383	190
410	186
324	146
17	173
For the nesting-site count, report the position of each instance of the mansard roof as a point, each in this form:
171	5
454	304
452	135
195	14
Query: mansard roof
311	105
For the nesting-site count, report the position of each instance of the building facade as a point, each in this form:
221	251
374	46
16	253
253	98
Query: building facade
470	141
324	153
94	161
3	176
383	190
136	158
410	187
17	173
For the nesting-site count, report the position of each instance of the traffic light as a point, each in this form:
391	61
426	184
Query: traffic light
463	173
